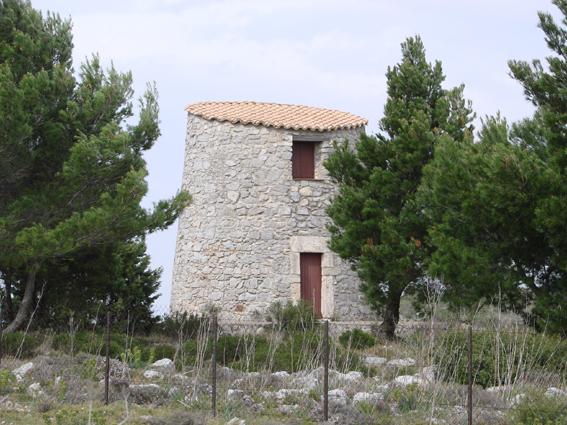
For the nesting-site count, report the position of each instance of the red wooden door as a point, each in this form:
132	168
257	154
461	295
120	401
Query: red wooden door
310	265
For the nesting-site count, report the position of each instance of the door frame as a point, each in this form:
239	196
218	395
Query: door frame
315	245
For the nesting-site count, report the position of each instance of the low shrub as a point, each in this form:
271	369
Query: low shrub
178	324
497	358
539	410
357	339
7	381
406	398
20	344
160	351
292	317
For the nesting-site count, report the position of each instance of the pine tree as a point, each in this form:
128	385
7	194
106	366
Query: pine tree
546	88
72	172
376	223
498	207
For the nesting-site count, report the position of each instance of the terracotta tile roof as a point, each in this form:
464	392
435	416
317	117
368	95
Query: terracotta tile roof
292	117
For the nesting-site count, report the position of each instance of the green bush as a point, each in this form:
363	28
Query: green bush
292	317
176	324
406	398
540	410
492	357
140	351
26	344
7	381
357	339
160	351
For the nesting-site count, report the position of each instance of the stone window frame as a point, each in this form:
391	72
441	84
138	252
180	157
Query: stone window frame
317	245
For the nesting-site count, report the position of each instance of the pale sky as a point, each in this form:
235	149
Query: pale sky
325	53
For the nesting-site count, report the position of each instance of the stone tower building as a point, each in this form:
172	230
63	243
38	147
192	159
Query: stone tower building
255	232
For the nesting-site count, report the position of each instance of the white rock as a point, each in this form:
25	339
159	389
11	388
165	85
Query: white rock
517	399
166	364
308	381
268	394
555	392
233	394
406	380
144	387
284	393
498	389
35	391
381	388
401	362
180	377
152	374
21	371
288	409
236	421
352	376
338	397
373	361
427	374
282	374
367	398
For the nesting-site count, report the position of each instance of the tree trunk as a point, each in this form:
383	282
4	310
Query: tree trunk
391	316
27	302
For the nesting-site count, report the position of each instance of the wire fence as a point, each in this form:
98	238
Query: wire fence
465	361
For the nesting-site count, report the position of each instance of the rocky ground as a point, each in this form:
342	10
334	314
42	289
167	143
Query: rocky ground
60	390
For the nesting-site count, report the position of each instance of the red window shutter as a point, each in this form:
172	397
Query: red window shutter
303	160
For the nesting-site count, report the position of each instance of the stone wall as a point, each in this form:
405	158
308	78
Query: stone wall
239	241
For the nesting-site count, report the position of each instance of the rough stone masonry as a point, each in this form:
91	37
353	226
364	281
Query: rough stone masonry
239	242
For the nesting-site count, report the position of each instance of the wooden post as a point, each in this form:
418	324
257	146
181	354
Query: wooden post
107	349
470	377
326	372
1	332
1	337
214	365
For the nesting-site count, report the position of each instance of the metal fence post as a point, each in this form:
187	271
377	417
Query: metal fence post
326	372
470	376
107	352
214	365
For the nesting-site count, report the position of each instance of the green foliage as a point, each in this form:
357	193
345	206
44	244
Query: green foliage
539	410
119	273
470	191
140	350
178	324
88	368
160	351
20	343
376	220
498	208
499	358
70	416
407	398
7	381
72	169
132	357
357	339
292	317
545	134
